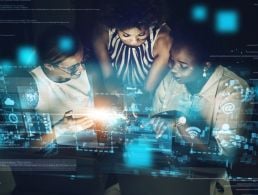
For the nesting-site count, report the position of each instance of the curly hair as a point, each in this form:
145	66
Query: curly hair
129	14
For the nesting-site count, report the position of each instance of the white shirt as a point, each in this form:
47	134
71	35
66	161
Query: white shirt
58	98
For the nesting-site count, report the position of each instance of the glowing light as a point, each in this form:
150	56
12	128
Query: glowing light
182	120
27	56
13	118
193	132
225	127
228	108
66	44
199	13
104	115
9	102
227	21
137	154
7	65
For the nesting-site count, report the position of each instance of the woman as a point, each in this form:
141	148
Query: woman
64	90
134	46
204	98
202	92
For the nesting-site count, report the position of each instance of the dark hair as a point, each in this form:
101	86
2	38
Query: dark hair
49	44
128	14
197	41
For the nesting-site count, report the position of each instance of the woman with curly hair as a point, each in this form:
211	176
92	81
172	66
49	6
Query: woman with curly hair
133	45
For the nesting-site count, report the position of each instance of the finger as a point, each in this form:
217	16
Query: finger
152	121
88	124
81	119
160	134
84	122
72	123
161	129
68	120
155	124
156	120
87	121
68	113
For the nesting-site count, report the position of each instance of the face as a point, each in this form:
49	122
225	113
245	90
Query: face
133	37
70	68
184	68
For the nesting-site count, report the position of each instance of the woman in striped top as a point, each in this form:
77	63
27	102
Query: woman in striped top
134	47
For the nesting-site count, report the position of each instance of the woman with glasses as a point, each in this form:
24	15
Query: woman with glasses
62	81
133	45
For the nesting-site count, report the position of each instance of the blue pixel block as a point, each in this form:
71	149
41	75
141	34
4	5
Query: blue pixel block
227	21
66	44
138	154
199	13
27	56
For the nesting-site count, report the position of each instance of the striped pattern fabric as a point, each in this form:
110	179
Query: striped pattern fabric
131	64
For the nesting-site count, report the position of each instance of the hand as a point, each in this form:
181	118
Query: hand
160	126
167	120
71	124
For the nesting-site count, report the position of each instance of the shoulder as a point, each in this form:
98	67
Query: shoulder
229	75
233	88
164	40
164	35
164	29
37	74
36	71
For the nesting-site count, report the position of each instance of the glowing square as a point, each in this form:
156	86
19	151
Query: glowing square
27	56
199	13
227	21
138	154
66	44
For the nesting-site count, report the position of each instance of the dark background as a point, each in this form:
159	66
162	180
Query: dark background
39	14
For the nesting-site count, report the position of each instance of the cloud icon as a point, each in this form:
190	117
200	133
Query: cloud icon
9	102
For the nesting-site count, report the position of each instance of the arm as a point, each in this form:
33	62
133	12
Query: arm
66	124
161	52
100	45
226	124
228	117
160	94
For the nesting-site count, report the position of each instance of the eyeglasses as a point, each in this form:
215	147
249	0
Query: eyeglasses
72	70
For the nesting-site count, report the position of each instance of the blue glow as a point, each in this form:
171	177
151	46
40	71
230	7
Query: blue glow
7	65
199	13
9	102
66	44
227	21
27	57
138	154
